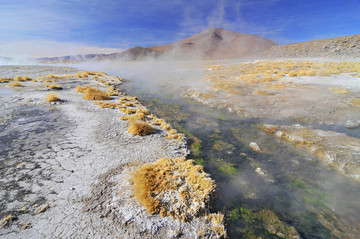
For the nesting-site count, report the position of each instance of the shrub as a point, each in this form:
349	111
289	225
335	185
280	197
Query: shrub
54	87
128	111
22	78
15	84
138	127
52	97
80	89
311	72
355	101
174	187
5	80
292	74
95	94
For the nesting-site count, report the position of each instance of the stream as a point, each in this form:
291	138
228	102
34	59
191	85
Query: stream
296	186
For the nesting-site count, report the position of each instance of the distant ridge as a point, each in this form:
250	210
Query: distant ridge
212	43
339	47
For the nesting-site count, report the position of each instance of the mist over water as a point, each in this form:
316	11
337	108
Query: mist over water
295	185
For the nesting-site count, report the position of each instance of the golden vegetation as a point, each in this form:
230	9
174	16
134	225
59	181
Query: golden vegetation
22	78
174	187
339	90
5	220
95	94
5	79
52	97
138	127
54	87
128	111
234	78
15	84
355	101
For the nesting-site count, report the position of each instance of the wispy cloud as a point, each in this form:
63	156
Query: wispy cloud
41	48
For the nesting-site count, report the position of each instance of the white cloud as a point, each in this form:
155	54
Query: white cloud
32	48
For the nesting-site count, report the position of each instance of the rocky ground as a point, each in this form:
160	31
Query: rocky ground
339	47
65	165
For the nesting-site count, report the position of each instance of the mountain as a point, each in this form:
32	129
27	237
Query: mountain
339	47
215	43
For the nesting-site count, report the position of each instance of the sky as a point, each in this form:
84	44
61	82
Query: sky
62	27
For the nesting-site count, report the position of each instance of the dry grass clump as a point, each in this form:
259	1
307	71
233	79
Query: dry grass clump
102	104
80	89
135	117
139	127
128	111
311	72
292	74
174	187
143	111
355	101
52	97
262	92
339	90
54	86
22	78
5	220
217	223
95	94
15	84
5	80
174	136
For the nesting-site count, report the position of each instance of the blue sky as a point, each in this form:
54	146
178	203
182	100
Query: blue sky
71	26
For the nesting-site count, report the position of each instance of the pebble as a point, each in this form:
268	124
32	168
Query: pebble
254	146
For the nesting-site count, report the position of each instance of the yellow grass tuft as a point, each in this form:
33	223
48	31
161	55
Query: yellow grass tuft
22	78
144	111
137	116
339	90
15	84
128	111
54	87
174	187
138	127
52	97
95	94
311	72
262	92
292	74
5	220
355	101
80	89
5	80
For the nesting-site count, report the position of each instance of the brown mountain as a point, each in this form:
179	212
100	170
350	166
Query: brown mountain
339	47
215	43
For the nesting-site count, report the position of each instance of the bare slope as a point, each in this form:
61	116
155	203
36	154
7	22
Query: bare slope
216	43
346	46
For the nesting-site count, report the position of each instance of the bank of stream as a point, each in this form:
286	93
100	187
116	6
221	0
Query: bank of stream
263	194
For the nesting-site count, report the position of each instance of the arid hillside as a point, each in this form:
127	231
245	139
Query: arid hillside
216	43
212	43
343	47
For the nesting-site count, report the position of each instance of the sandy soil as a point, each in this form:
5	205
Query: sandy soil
65	166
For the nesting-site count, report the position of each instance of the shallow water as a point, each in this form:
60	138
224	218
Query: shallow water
304	193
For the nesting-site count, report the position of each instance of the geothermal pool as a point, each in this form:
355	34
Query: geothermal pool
280	187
